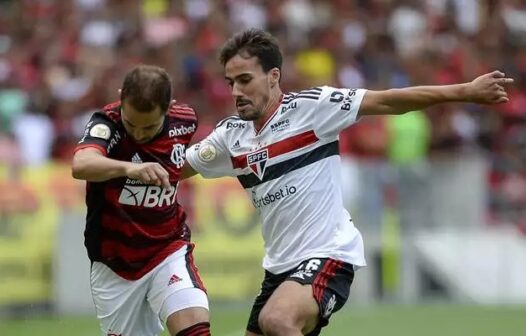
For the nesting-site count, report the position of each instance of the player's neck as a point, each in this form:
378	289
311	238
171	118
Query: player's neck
273	103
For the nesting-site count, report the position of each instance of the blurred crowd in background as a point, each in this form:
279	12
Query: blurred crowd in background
60	60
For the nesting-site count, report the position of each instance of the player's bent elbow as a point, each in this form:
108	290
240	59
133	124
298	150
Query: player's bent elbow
82	162
79	164
77	169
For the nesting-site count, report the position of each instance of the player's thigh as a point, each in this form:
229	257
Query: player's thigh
294	304
177	293
178	318
269	284
311	293
330	283
121	304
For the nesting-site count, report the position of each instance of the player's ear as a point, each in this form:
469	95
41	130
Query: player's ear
275	75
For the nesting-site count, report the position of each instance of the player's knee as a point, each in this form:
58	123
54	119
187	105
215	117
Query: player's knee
275	323
199	329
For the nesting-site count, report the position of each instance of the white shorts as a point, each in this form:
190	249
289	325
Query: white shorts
141	307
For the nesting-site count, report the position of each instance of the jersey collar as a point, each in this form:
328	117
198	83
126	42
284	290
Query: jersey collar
270	116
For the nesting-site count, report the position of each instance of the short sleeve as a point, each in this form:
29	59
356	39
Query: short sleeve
210	157
336	110
101	133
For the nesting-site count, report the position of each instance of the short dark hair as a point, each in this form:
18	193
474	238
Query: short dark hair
253	42
145	87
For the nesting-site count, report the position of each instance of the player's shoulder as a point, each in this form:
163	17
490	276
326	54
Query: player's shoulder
303	102
231	123
110	113
182	111
310	94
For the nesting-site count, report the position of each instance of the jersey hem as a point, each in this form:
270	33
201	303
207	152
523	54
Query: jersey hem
151	265
288	266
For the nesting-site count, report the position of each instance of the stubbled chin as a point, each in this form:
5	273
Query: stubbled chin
244	112
246	116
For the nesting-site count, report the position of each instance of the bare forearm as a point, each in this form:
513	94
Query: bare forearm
97	168
485	89
398	101
419	97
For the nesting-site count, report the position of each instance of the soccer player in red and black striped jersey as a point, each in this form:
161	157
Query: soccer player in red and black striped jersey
131	156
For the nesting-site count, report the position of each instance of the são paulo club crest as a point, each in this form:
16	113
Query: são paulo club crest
257	162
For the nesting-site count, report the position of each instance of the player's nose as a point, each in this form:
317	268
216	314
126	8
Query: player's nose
235	91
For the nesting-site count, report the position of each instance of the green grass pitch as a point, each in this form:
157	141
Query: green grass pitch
377	320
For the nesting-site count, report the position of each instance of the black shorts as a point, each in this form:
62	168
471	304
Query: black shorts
331	282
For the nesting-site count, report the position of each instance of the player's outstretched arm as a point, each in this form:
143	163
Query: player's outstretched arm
91	165
486	89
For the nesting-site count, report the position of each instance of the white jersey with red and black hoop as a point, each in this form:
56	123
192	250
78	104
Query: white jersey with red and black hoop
291	170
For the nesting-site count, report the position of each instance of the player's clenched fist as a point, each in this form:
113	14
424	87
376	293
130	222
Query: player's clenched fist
489	88
150	173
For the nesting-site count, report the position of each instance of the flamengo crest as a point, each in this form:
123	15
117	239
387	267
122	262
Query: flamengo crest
257	162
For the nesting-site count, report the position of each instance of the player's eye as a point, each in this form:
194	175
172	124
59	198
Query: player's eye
245	80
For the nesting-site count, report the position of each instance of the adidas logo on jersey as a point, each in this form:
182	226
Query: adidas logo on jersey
236	145
173	279
136	158
181	130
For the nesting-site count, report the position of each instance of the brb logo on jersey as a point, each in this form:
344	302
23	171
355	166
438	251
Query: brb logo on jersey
147	196
257	162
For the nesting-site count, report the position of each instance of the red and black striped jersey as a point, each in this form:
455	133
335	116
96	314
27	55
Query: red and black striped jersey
132	226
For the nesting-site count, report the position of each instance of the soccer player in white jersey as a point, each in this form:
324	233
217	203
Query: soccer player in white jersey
283	149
